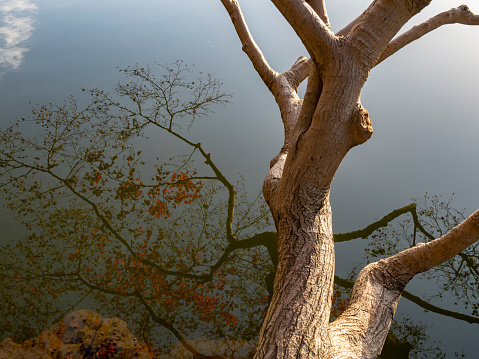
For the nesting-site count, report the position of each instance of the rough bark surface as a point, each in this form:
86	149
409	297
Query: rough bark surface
319	130
303	281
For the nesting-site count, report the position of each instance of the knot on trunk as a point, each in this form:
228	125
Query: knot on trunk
361	125
465	9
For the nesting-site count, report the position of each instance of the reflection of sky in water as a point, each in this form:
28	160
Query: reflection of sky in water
423	101
15	30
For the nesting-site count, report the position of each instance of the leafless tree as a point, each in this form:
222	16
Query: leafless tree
319	130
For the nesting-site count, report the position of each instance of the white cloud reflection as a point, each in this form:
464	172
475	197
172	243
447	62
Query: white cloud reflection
16	5
15	30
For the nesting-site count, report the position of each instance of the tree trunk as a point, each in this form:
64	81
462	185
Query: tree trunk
304	281
319	132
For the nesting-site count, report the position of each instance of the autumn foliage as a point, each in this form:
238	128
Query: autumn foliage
130	233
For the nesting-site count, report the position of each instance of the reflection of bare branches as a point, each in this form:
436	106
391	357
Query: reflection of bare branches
80	188
191	348
383	222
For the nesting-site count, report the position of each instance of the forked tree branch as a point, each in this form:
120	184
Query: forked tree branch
283	86
459	15
377	26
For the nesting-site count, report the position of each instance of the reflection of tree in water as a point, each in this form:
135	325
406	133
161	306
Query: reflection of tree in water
176	250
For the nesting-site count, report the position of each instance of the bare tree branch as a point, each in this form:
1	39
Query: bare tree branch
370	317
283	86
424	256
311	29
459	15
320	7
267	74
299	71
378	24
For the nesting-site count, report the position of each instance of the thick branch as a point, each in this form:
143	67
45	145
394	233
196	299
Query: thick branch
458	15
311	29
311	97
424	256
320	7
307	65
345	30
362	328
250	47
299	71
375	28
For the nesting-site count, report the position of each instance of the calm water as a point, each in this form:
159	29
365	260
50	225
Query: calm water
423	102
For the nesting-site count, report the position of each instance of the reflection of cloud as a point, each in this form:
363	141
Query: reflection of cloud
15	30
16	5
12	57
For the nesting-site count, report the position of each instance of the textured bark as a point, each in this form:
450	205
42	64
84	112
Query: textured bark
319	131
303	281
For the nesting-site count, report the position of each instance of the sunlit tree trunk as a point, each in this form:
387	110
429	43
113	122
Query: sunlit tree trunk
296	322
319	131
303	283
